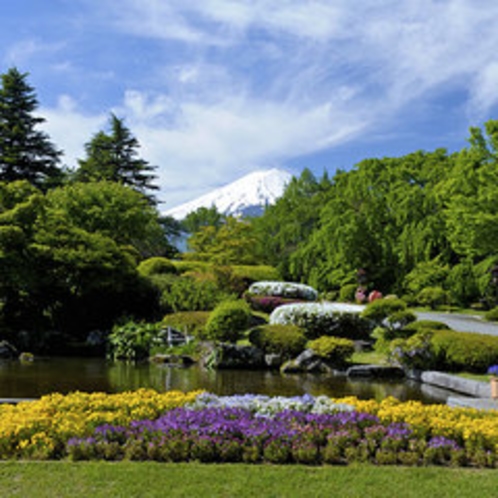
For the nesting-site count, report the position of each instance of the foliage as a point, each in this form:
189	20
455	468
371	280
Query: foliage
426	274
319	319
228	321
113	157
347	293
255	273
433	297
285	340
416	352
492	315
203	217
380	309
425	324
460	351
156	266
336	350
190	294
132	341
25	152
190	322
234	242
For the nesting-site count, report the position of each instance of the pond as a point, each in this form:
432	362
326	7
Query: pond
64	375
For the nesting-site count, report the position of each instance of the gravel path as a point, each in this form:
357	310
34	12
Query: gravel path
461	323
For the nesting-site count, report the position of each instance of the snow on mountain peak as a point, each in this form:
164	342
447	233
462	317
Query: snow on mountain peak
246	196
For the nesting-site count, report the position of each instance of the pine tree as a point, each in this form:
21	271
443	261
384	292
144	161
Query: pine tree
114	157
25	152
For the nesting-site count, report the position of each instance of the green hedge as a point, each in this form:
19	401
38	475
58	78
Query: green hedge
286	340
461	351
156	266
336	350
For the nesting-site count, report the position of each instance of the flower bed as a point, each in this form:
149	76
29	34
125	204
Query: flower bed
145	425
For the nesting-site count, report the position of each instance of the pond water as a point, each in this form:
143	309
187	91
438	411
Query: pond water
64	375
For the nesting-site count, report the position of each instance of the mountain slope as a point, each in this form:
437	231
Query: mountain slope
247	196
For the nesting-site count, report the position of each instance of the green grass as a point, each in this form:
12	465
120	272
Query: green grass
369	358
126	479
474	376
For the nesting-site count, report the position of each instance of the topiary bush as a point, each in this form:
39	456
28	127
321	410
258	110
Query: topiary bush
192	323
380	309
433	297
319	319
336	350
461	351
256	273
286	340
156	266
418	325
228	321
492	315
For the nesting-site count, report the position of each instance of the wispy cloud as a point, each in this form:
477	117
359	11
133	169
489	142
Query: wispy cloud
221	87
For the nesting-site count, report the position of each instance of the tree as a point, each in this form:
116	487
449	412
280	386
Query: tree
203	217
114	157
25	152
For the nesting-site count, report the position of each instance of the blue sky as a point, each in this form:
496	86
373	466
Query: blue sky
215	89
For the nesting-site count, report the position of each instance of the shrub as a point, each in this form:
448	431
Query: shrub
400	319
228	321
492	315
156	266
132	341
415	352
418	325
347	293
432	297
319	319
291	290
188	294
196	266
256	273
286	340
460	351
380	309
333	349
190	322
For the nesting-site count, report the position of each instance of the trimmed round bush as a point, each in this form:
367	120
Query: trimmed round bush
432	297
492	315
317	319
283	289
190	322
228	321
286	340
425	324
333	349
380	309
156	266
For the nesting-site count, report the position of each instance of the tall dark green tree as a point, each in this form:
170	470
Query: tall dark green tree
25	152
114	157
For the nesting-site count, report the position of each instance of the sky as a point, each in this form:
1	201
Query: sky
216	89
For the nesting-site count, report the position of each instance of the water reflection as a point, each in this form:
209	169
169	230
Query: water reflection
64	375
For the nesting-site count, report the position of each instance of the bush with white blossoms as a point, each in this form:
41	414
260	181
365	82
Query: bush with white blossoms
319	319
268	406
283	289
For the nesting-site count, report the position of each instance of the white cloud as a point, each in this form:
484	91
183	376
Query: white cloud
70	129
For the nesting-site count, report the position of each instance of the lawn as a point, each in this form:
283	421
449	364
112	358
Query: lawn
130	479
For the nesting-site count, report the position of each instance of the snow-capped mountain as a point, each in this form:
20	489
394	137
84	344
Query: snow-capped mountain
247	196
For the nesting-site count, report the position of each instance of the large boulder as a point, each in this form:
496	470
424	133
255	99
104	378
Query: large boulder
306	362
227	356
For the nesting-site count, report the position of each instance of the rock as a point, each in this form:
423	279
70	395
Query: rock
375	371
174	360
234	356
273	360
306	362
7	351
